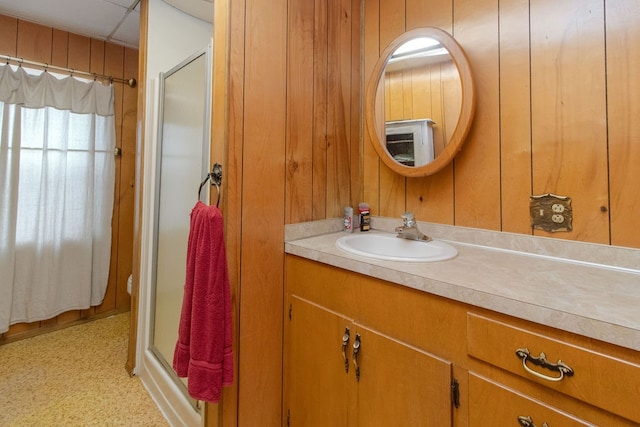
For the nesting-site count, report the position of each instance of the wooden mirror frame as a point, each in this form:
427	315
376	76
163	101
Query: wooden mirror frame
454	144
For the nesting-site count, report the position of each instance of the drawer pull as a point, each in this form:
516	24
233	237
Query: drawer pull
561	367
528	422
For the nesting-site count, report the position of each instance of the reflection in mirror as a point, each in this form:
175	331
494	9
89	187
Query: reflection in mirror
419	102
410	142
422	95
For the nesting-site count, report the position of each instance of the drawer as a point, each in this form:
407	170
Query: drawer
492	404
606	382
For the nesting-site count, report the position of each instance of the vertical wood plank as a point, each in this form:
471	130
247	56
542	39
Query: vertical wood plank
515	115
263	213
223	125
219	84
431	13
355	161
419	85
59	48
300	113
113	59
34	42
370	161
394	105
392	21
392	192
407	95
139	183
113	65
451	94
477	166
392	185
623	87
8	35
431	198
97	57
320	106
338	109
127	180
568	106
235	12
79	55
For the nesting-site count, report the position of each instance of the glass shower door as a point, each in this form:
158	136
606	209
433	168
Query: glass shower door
182	162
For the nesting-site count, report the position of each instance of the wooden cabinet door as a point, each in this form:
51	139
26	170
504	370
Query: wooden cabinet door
401	385
317	381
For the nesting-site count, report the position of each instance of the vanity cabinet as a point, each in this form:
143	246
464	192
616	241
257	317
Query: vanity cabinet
414	346
340	372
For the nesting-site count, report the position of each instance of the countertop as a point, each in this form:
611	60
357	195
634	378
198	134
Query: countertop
589	289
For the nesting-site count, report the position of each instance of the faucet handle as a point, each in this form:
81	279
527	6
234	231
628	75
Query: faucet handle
409	219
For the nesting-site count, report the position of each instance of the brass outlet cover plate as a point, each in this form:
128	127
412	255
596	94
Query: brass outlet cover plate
550	212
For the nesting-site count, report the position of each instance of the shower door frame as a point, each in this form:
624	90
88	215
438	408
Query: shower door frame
189	189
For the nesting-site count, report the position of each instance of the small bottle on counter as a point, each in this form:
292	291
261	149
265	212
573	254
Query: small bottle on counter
365	217
348	219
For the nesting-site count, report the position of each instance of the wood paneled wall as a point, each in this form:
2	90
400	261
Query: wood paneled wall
293	133
557	109
51	46
556	102
323	108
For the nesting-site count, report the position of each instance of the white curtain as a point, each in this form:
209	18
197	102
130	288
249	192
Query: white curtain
57	173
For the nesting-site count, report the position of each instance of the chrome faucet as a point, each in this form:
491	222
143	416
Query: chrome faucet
409	228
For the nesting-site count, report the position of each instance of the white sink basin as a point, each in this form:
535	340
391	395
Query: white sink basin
389	247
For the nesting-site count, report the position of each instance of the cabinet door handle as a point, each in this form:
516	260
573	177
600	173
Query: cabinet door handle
345	343
356	350
561	367
526	421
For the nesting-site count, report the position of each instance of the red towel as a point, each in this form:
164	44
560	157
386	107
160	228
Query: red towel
203	352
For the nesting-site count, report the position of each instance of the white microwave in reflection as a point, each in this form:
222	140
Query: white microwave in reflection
410	142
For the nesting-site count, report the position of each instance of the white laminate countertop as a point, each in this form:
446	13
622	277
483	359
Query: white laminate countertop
588	289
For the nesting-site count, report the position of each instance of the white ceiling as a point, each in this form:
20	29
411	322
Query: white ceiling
116	21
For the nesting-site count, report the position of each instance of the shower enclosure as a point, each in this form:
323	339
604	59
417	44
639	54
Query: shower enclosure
182	161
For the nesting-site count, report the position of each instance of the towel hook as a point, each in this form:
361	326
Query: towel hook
215	177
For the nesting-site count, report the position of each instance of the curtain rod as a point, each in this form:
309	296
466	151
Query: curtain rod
131	82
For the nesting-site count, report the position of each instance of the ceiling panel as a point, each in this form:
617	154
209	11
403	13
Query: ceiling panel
99	19
116	21
201	9
128	32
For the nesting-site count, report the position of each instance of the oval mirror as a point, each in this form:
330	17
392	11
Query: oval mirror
419	102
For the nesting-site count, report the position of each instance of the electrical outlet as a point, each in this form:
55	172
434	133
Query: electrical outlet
551	213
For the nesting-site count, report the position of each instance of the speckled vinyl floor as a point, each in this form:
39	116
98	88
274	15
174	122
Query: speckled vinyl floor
74	377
